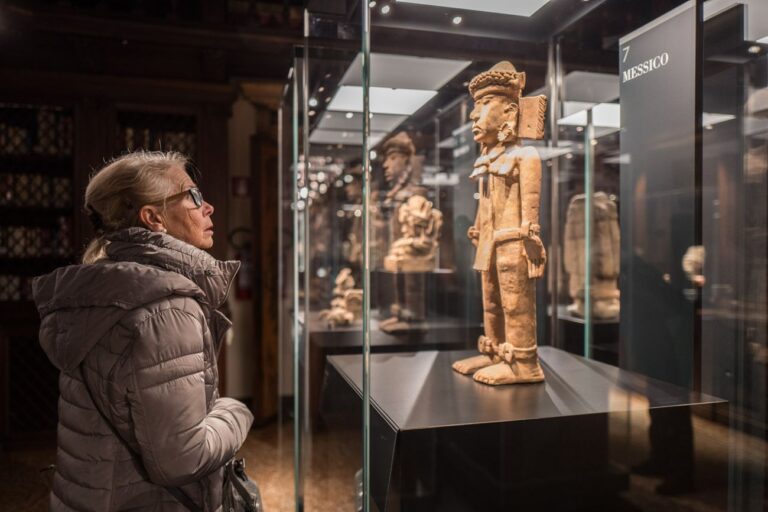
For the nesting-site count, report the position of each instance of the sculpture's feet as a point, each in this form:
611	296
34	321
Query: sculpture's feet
515	373
470	365
487	357
395	327
388	321
518	366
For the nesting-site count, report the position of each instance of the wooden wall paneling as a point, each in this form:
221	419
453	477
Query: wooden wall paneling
94	144
265	211
4	357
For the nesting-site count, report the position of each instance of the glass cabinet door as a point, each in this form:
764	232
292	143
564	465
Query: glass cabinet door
530	249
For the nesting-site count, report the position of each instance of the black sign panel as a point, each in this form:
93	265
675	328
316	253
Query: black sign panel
658	77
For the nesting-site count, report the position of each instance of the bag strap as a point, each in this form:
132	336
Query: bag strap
177	493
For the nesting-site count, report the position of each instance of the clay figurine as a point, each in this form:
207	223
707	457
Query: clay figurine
605	256
416	249
510	255
347	303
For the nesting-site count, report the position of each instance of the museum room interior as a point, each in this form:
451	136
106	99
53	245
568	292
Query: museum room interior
494	255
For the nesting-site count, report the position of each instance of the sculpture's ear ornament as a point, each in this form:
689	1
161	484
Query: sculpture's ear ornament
533	115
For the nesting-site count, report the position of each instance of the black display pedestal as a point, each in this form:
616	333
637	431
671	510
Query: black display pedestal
437	287
438	333
440	441
605	336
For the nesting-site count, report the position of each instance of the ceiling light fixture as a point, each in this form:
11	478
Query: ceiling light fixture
312	102
754	49
385	10
457	20
383	100
349	115
514	8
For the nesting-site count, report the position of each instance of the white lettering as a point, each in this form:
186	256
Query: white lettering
645	67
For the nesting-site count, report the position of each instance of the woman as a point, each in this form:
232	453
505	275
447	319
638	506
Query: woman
135	332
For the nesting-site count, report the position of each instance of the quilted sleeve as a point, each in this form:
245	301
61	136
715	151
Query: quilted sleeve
179	440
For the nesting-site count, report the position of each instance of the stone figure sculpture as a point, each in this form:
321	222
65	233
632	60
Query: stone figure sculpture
510	255
416	248
402	170
605	252
402	173
347	303
352	220
693	264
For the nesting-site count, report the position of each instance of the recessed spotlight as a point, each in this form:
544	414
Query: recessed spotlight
349	115
569	156
579	129
373	155
320	89
754	49
327	99
385	10
311	113
312	102
372	4
457	20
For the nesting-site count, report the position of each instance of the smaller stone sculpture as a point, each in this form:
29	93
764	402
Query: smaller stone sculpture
416	248
693	264
347	303
605	252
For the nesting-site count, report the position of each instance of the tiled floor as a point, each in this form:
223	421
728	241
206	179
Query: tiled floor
334	457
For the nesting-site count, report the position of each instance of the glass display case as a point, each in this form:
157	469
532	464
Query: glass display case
527	253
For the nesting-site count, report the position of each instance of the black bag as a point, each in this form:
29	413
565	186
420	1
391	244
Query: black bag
241	494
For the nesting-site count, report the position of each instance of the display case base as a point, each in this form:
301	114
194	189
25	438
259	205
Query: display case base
439	333
441	441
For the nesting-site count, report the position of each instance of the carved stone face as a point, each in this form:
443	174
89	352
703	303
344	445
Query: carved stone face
487	117
395	166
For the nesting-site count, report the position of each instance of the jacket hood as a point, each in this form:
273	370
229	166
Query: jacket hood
78	304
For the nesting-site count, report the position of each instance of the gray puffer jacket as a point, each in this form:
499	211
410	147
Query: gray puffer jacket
144	327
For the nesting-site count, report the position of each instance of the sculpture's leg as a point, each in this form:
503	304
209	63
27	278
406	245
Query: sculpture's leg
518	297
394	323
493	322
414	297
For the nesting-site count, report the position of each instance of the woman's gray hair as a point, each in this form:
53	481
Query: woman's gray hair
117	191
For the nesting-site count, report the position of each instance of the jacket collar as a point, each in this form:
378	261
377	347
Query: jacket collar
140	245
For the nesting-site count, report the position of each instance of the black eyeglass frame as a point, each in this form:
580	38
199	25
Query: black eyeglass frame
194	193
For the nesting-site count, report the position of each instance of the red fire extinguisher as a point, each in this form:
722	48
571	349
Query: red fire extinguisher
244	253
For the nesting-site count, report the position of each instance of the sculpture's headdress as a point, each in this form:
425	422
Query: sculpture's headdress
502	79
400	143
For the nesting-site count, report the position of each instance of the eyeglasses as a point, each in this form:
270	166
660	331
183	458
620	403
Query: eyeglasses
194	193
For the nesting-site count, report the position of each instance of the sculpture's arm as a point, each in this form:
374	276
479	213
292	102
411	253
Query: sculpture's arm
530	196
473	233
